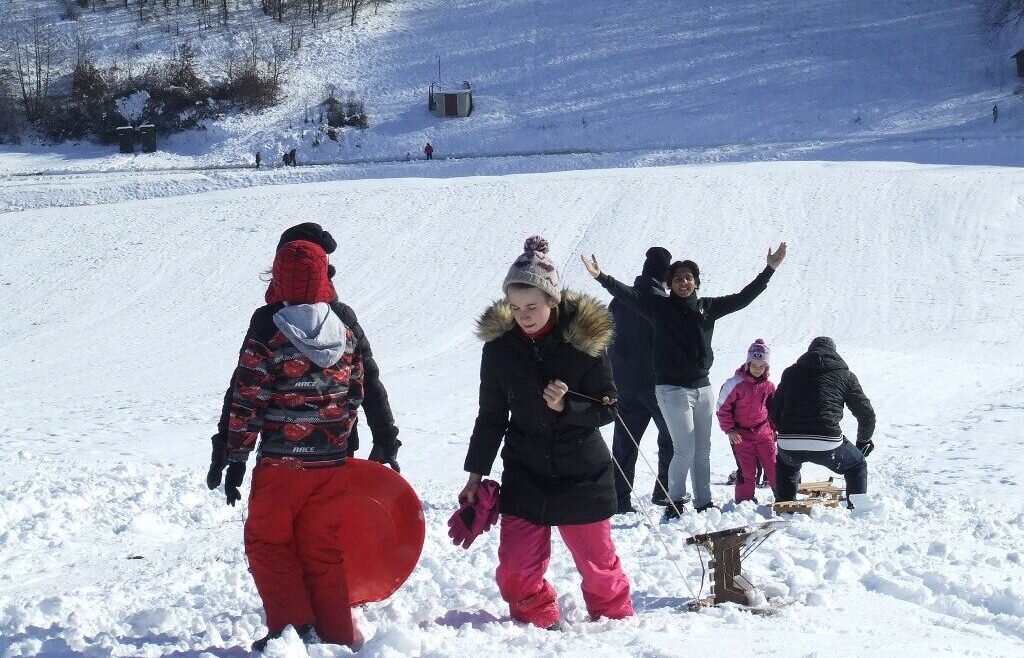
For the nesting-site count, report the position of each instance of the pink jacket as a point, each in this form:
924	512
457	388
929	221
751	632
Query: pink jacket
743	405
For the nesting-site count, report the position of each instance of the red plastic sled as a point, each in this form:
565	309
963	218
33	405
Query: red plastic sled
382	531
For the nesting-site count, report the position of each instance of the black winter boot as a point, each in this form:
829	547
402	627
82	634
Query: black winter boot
625	508
675	509
261	644
306	633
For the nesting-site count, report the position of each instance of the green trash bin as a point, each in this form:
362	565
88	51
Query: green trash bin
147	138
126	139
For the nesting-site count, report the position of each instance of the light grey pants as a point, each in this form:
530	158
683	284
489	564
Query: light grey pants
689	413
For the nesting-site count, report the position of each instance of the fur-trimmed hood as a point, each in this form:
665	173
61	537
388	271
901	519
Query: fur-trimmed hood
583	321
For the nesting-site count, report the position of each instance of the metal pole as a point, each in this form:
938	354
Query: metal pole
438	68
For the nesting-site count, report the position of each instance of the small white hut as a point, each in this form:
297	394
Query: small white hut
451	102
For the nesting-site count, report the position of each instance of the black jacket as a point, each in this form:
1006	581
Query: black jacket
375	398
632	348
557	467
811	394
683	328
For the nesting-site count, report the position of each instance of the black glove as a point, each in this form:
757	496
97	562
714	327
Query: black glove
353	440
233	480
218	460
865	446
387	454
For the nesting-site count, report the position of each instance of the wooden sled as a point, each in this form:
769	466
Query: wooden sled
727	548
818	494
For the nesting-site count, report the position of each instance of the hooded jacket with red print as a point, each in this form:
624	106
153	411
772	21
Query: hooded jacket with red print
299	384
743	405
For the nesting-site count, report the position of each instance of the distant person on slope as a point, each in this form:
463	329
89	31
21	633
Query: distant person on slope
429	151
807	408
742	412
683	327
631	355
545	389
298	385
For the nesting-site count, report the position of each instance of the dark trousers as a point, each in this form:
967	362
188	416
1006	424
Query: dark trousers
845	460
637	409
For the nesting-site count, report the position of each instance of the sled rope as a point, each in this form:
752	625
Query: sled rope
643	506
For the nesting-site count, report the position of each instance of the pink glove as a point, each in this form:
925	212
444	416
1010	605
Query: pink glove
472	520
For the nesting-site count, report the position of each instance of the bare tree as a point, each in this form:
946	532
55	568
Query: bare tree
355	6
36	56
1004	13
278	56
83	44
8	101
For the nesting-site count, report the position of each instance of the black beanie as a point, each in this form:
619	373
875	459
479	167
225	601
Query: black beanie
312	232
822	342
656	265
309	231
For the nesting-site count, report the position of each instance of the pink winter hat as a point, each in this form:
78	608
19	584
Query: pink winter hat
758	350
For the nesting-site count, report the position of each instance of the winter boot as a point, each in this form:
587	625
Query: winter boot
675	509
659	497
261	644
306	633
760	481
704	508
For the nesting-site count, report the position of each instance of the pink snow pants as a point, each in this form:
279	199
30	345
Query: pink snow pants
751	451
524	551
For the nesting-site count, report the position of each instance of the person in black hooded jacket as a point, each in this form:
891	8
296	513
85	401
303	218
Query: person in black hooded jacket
545	390
806	411
375	405
632	358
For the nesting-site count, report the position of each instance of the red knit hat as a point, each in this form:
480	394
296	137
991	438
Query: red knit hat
300	275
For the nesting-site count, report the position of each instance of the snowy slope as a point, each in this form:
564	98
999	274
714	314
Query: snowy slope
675	81
122	322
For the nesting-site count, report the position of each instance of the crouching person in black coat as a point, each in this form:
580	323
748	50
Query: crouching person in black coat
545	388
806	411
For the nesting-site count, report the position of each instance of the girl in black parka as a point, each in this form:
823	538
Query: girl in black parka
546	388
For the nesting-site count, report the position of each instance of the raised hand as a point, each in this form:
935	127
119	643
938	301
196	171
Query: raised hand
591	264
774	260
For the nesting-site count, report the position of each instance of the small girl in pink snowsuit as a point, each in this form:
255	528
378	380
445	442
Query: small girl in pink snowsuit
743	416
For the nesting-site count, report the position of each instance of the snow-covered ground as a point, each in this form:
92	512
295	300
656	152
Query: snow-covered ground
126	283
122	320
670	82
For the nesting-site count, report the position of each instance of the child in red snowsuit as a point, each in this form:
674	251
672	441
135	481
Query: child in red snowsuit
298	386
743	416
545	389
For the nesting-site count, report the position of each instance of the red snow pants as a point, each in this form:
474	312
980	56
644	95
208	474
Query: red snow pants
291	541
524	550
754	449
